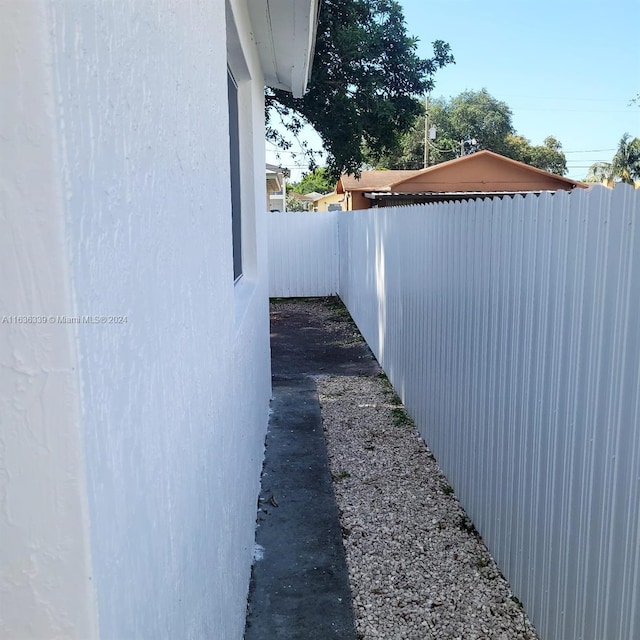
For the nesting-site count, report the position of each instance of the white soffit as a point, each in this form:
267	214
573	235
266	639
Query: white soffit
285	33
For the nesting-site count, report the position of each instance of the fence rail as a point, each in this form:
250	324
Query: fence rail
511	330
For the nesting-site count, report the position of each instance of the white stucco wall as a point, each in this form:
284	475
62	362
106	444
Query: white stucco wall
45	572
165	412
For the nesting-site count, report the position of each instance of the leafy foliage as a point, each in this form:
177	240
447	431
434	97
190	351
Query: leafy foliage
478	115
600	172
624	167
472	115
317	180
366	74
293	204
626	161
547	156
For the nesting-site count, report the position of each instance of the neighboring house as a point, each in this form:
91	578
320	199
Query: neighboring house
479	175
308	200
331	202
276	188
315	201
134	329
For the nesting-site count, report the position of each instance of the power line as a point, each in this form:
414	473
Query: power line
567	110
572	98
589	151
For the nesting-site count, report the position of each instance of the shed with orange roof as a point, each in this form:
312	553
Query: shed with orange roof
480	175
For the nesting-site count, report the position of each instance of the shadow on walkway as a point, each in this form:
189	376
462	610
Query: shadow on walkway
299	584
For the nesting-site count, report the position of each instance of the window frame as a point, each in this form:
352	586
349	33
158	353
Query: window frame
234	174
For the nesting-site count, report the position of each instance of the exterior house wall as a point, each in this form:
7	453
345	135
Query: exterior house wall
356	201
322	204
45	567
131	450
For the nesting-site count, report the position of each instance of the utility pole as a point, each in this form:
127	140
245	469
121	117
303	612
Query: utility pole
472	147
426	131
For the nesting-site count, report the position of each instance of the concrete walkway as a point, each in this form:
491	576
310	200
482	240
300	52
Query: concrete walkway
300	588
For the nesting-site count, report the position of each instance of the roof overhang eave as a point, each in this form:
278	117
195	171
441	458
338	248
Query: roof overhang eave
373	195
285	33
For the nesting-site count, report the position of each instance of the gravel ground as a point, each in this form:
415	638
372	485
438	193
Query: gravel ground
417	566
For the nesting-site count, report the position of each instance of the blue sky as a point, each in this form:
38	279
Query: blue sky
567	69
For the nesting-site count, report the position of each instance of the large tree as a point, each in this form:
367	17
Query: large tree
624	167
626	161
472	115
477	115
468	122
317	180
547	156
364	84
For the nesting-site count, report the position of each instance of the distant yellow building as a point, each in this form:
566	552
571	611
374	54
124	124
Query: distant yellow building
330	202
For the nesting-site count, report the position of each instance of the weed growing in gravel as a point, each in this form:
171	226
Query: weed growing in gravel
340	312
517	601
334	303
465	524
356	338
290	301
447	489
401	418
341	476
387	388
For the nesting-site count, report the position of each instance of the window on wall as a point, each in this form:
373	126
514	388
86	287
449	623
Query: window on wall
234	159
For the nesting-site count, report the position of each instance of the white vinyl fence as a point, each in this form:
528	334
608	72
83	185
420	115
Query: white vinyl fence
303	254
511	330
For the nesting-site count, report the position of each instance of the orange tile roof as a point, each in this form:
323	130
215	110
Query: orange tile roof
390	180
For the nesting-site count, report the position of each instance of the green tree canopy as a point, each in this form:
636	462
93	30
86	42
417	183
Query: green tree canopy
478	115
626	161
317	180
600	172
624	167
293	204
365	78
472	115
547	156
